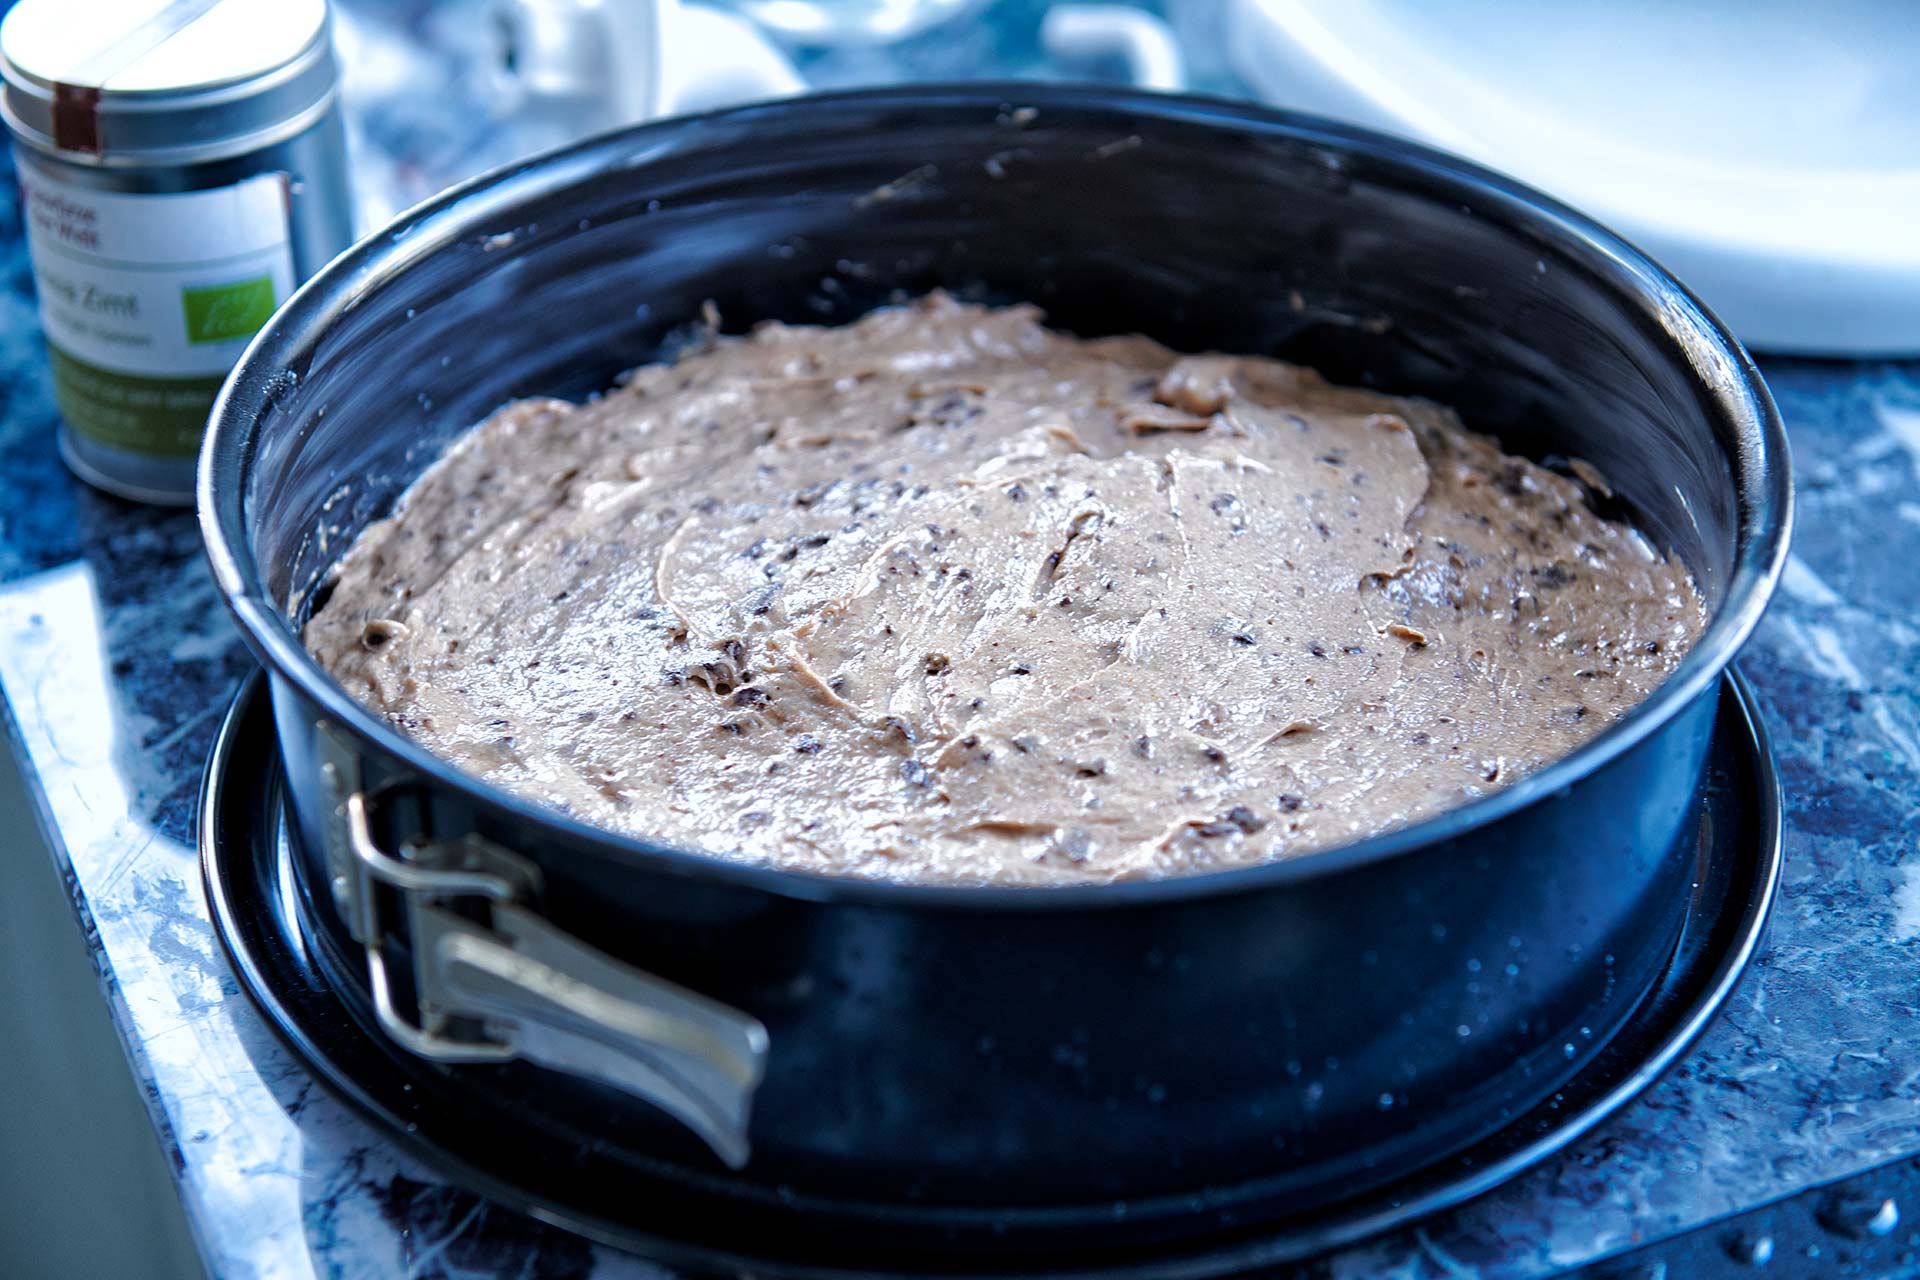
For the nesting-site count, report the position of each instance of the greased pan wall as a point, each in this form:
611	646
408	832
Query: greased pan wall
1000	1059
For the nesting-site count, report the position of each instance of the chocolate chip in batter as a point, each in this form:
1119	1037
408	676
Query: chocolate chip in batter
379	633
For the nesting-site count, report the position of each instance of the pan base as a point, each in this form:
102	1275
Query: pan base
513	1158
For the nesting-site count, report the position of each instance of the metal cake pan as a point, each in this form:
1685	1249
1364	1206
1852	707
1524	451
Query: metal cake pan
1295	1032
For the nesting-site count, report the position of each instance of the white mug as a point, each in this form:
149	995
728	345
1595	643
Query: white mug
598	64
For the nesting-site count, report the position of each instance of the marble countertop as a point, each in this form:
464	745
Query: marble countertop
117	660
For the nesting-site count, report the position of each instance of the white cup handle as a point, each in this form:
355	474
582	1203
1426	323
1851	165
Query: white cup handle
1145	43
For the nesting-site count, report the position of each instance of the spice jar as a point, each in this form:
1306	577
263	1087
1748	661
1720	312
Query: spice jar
182	169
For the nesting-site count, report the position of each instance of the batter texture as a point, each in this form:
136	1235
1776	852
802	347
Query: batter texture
944	596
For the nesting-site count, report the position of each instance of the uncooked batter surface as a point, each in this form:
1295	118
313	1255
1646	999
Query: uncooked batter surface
944	596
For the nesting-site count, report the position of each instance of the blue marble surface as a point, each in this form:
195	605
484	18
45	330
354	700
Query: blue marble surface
116	661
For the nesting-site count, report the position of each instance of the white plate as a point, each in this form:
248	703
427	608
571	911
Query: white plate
1766	152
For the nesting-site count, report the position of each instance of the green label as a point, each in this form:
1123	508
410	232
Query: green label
221	313
160	416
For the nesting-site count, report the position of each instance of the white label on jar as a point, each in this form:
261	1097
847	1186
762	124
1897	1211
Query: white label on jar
148	300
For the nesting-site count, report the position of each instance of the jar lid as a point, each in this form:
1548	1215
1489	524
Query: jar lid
151	82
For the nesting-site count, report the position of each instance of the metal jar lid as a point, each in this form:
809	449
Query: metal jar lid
163	82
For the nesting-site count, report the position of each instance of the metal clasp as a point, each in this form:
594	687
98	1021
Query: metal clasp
493	980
